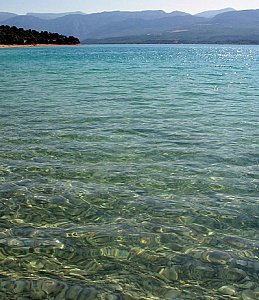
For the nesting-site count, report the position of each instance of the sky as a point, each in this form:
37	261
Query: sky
90	6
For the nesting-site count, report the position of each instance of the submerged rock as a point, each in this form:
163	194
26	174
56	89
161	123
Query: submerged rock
172	295
169	273
248	295
218	257
227	290
233	275
249	265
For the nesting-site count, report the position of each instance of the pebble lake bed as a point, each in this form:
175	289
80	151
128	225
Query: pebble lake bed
129	172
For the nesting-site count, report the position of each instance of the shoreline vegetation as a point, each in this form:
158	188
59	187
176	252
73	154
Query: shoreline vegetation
36	45
13	37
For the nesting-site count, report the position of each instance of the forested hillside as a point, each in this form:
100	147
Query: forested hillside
19	36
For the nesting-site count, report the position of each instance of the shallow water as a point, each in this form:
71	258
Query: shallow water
129	172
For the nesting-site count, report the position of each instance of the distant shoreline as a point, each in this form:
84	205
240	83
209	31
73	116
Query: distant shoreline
36	45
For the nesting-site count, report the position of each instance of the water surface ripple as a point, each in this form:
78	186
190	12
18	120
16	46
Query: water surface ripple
129	172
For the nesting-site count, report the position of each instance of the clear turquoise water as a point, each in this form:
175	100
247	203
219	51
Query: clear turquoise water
129	172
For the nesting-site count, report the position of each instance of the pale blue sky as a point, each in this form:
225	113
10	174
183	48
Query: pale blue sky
88	6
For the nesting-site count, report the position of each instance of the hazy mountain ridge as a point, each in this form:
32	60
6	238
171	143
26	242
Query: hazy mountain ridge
79	25
237	27
6	15
226	25
242	17
50	16
213	13
87	25
140	26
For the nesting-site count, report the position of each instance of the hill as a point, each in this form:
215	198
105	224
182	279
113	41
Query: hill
237	27
79	25
86	26
6	15
51	16
18	36
221	26
140	26
213	13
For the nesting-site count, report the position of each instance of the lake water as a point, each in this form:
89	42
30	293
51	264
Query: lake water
129	172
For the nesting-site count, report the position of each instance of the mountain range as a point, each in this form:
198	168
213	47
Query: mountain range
221	26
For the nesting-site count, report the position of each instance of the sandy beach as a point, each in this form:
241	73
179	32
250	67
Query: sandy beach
35	45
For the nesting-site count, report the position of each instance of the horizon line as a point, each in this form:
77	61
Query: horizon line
110	11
